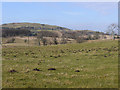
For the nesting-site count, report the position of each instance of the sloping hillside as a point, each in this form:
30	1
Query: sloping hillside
17	29
32	26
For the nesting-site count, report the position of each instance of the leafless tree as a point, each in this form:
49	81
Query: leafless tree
112	30
39	38
42	34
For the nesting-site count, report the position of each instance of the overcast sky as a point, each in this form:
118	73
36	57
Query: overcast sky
74	15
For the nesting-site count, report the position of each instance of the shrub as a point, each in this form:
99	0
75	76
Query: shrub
25	40
80	39
96	36
11	40
63	41
55	41
44	41
89	37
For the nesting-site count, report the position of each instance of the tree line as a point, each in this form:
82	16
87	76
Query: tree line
15	32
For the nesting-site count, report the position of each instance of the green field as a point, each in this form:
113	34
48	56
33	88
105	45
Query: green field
96	61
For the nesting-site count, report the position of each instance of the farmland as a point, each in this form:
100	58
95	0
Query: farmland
84	65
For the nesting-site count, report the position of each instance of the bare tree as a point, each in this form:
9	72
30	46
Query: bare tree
28	39
112	30
39	38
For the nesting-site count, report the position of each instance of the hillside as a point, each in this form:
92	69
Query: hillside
32	29
33	26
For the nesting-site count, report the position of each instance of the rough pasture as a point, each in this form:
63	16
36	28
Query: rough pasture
86	65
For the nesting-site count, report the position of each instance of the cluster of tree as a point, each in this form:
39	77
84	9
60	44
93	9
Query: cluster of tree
69	34
15	32
64	35
76	34
89	37
42	34
38	28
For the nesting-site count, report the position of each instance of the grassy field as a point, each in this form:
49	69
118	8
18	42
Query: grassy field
96	64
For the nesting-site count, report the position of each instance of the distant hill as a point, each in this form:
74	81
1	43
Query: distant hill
33	26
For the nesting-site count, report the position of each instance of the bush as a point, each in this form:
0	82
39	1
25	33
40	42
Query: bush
63	41
25	40
55	41
44	41
80	39
89	37
12	40
96	36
